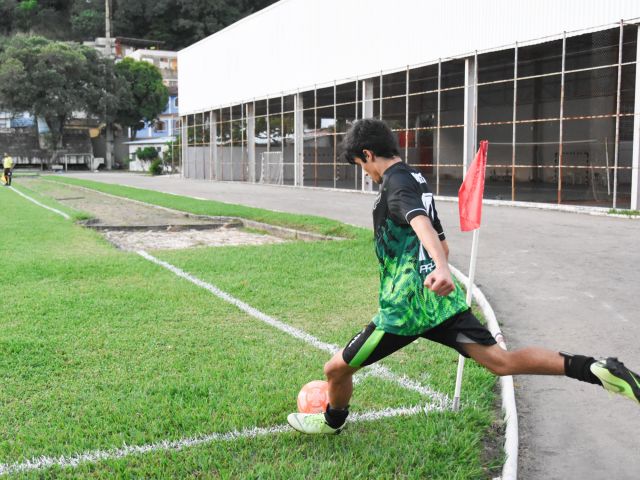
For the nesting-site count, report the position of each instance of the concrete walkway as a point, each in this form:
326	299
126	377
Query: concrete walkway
560	280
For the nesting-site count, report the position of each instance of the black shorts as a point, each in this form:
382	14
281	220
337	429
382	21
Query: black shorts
373	344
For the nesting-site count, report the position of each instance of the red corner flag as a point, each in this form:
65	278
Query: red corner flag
471	190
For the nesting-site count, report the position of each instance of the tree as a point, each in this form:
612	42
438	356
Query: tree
106	100
49	18
144	96
6	16
51	80
87	19
178	23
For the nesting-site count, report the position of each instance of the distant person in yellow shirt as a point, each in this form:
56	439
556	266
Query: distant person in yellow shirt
8	167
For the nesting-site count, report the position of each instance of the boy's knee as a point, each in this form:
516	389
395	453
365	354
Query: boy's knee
336	368
499	368
498	362
331	369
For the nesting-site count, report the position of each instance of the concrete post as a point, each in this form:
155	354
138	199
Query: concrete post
183	146
298	156
367	98
212	145
251	141
204	153
214	150
635	162
367	112
109	135
470	128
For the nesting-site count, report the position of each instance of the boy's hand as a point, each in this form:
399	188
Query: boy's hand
439	282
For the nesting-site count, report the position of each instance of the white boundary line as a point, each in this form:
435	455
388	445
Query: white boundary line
41	204
94	456
510	467
441	401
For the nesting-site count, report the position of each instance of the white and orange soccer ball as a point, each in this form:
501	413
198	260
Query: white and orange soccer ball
313	397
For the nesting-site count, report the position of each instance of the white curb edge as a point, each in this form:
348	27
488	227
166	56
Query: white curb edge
510	467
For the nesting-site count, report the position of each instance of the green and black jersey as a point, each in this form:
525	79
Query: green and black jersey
406	307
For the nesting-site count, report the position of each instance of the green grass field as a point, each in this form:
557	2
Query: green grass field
101	348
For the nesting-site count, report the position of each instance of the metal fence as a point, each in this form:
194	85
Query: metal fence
559	114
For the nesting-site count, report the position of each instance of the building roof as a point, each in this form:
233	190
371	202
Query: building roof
153	53
151	141
139	42
296	44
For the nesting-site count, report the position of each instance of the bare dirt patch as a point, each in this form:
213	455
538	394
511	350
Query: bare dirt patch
132	225
108	210
171	240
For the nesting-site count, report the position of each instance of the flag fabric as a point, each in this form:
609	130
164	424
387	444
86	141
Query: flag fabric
471	190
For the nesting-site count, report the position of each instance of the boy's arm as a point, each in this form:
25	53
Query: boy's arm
445	247
439	281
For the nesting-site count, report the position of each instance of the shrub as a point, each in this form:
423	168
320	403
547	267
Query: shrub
147	153
156	167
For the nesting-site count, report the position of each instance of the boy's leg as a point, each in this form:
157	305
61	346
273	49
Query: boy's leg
609	373
532	360
367	347
470	338
340	378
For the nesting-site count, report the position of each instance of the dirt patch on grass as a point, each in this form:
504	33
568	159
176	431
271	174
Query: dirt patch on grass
171	240
132	225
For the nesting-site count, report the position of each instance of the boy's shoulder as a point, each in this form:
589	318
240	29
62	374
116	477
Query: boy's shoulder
403	175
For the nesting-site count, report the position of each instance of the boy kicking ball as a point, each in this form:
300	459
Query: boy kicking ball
418	297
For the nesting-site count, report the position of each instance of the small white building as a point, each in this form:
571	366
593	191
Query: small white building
159	143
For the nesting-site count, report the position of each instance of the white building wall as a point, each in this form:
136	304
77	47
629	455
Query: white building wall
295	44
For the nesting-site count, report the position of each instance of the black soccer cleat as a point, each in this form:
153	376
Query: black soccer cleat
617	378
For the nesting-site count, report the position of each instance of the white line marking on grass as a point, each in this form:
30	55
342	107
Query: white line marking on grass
41	204
441	401
94	456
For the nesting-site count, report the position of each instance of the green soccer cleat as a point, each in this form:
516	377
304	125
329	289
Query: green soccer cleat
617	378
312	423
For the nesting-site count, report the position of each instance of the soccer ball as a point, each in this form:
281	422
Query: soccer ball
313	397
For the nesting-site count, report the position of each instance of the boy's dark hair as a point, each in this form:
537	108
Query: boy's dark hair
369	134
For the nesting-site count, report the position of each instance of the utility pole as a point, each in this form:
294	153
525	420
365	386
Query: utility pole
108	125
107	18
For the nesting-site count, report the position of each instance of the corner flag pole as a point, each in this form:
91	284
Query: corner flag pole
470	209
472	273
